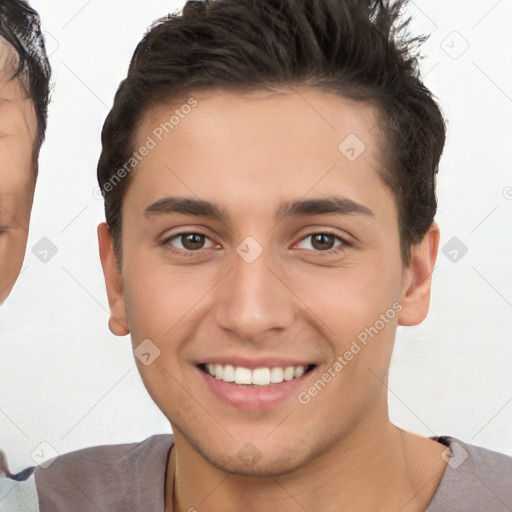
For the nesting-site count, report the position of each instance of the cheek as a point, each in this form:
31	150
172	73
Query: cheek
161	300
348	299
12	252
16	196
356	309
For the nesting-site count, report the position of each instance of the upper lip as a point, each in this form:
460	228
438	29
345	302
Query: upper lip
253	363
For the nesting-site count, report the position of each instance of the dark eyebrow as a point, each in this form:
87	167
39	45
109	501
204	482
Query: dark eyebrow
302	207
321	206
186	206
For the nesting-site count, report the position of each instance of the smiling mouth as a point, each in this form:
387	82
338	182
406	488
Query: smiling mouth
259	377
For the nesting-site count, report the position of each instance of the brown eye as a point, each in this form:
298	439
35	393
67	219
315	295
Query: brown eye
192	241
187	243
325	242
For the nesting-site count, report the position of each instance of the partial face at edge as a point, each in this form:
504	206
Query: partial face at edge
255	291
18	136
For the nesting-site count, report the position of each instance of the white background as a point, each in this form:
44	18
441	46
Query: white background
67	381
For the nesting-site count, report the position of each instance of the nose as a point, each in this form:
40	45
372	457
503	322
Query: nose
254	299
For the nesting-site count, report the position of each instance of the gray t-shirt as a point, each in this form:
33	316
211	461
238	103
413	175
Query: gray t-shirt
131	477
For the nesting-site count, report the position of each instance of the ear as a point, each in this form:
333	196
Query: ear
118	322
415	298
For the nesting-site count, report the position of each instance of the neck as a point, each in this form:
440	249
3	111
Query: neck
385	469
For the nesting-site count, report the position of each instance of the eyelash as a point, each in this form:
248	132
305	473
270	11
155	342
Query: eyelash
344	242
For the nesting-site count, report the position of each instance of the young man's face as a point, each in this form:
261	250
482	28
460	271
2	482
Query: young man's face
18	136
262	288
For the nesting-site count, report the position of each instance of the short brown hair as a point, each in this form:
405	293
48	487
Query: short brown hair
355	48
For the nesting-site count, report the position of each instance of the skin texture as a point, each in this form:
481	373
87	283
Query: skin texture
18	136
248	153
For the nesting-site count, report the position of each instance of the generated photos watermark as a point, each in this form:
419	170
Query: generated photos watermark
357	345
152	141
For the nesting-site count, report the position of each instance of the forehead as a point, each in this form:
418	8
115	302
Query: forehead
18	133
17	111
303	112
9	62
259	145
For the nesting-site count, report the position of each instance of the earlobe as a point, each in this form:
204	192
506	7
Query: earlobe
118	323
417	286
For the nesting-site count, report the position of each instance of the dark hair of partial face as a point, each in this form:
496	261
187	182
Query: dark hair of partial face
360	50
20	26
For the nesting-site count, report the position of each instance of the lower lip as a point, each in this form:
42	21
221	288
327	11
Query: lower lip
252	398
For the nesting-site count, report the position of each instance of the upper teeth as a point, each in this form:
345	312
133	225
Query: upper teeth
259	376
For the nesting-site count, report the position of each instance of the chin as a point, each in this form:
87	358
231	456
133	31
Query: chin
249	460
262	467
